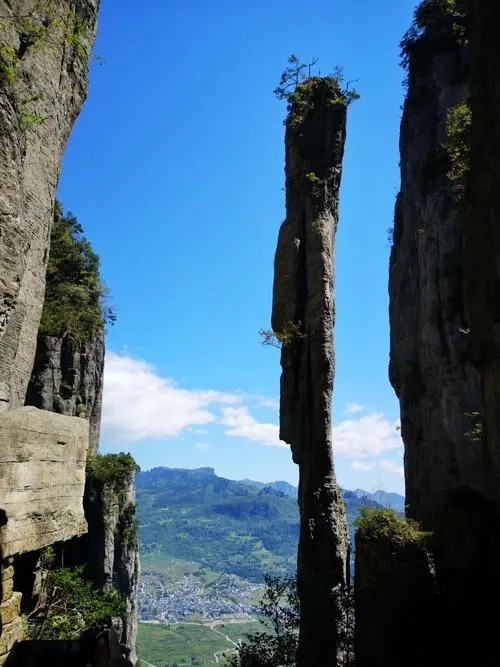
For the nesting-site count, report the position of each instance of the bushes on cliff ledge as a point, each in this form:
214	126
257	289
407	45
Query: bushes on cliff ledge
443	21
374	523
69	606
74	296
303	90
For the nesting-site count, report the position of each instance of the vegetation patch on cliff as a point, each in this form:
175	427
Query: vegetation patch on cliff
374	523
69	606
75	295
457	145
304	91
112	469
443	22
48	25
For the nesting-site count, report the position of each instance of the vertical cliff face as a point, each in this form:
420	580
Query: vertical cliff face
432	364
481	236
430	369
67	374
112	535
43	86
303	319
68	378
395	594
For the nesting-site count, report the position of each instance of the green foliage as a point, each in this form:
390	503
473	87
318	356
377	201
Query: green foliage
312	178
305	92
74	295
476	432
375	523
112	469
458	126
179	644
48	25
224	525
291	332
221	524
444	21
277	645
69	606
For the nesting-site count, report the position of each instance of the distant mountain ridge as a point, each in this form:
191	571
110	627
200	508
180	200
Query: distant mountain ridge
385	498
244	528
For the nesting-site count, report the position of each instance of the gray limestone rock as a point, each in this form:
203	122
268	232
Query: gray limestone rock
42	478
30	156
68	378
303	315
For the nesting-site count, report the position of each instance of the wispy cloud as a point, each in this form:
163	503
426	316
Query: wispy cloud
392	467
271	403
203	446
362	466
370	435
139	404
242	425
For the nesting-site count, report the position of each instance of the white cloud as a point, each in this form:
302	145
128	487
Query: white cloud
242	425
139	404
392	467
367	436
202	446
360	465
352	408
271	403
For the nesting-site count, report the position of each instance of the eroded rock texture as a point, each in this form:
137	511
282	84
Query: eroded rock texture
54	78
395	599
112	541
431	365
42	478
68	378
303	315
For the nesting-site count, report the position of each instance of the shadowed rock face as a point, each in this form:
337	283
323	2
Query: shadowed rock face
29	170
430	370
395	599
112	540
303	311
432	365
482	228
68	378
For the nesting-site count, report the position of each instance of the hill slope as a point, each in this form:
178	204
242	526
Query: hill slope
227	526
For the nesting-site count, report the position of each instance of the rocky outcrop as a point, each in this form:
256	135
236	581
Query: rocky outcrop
395	593
436	383
432	366
42	479
303	320
42	88
68	378
112	536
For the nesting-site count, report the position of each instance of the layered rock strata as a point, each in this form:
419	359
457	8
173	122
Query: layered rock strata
43	83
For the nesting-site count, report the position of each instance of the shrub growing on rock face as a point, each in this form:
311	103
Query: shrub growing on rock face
374	523
69	606
75	294
443	20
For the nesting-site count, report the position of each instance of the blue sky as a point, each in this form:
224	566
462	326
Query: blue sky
175	170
